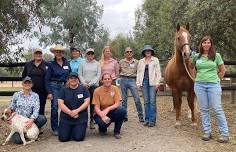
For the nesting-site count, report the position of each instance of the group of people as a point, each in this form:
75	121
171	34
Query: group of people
74	85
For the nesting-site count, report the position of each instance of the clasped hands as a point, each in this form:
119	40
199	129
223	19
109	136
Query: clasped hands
104	117
73	113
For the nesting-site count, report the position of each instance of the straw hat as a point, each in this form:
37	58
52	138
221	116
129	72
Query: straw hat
58	47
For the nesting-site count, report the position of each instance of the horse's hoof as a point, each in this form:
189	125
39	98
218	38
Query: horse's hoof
177	125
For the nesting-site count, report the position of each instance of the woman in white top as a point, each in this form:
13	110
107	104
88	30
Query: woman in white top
148	77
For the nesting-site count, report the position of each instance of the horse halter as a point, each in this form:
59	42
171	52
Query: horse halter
182	52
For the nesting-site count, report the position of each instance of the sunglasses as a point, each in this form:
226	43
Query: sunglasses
129	52
90	53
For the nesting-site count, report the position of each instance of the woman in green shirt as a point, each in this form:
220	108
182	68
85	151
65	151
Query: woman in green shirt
209	71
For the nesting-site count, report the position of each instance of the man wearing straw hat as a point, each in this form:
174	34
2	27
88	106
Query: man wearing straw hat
57	73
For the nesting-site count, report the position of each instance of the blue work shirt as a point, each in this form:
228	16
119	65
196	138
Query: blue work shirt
74	64
73	99
57	73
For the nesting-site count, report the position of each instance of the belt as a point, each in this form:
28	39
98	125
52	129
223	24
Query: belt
127	77
58	82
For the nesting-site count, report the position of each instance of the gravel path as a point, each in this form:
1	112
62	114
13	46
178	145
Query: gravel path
137	138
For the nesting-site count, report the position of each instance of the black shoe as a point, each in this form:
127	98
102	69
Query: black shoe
125	119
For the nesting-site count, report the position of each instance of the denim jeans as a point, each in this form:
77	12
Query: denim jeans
125	84
40	122
209	96
54	105
116	115
149	95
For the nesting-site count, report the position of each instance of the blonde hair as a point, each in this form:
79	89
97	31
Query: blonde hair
102	56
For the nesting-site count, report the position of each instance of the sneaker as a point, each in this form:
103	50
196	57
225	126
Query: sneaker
125	119
223	139
151	124
55	132
206	136
141	119
145	123
117	136
92	126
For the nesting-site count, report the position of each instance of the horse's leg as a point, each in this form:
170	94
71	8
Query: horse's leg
178	101
190	98
174	103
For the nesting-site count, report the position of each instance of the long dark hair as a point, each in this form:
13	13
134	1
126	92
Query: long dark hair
212	52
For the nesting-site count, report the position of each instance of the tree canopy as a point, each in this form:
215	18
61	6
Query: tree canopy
156	21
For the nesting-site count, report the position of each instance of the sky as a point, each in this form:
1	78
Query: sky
118	17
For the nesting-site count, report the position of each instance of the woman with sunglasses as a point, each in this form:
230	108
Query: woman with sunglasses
89	74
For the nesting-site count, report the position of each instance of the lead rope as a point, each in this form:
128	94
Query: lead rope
187	69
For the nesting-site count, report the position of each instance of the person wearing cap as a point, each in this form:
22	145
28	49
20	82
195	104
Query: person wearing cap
148	77
128	72
73	101
107	101
109	64
76	59
37	69
56	77
26	103
89	75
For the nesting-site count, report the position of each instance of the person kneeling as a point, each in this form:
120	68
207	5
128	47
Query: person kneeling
107	101
73	101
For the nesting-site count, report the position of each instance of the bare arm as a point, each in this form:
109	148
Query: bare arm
221	72
84	105
63	107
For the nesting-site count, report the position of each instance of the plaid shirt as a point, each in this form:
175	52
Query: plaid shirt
27	106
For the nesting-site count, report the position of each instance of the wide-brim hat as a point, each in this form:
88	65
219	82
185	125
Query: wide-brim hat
58	47
147	48
89	50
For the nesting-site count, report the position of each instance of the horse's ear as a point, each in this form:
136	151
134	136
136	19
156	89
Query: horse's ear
177	27
187	26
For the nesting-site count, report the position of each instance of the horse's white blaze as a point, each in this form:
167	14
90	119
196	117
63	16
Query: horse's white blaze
187	48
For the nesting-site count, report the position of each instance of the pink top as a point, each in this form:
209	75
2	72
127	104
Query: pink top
111	67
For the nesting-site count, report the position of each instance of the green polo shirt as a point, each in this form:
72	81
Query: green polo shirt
207	70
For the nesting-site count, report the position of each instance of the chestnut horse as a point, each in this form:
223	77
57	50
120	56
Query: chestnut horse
177	74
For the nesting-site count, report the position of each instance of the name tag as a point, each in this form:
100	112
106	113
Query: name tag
199	61
131	65
80	96
65	67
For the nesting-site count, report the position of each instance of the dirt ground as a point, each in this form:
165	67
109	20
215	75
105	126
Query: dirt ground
161	138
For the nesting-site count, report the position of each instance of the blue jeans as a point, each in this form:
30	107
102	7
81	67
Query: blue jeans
149	95
116	115
125	84
69	132
40	122
209	96
54	105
